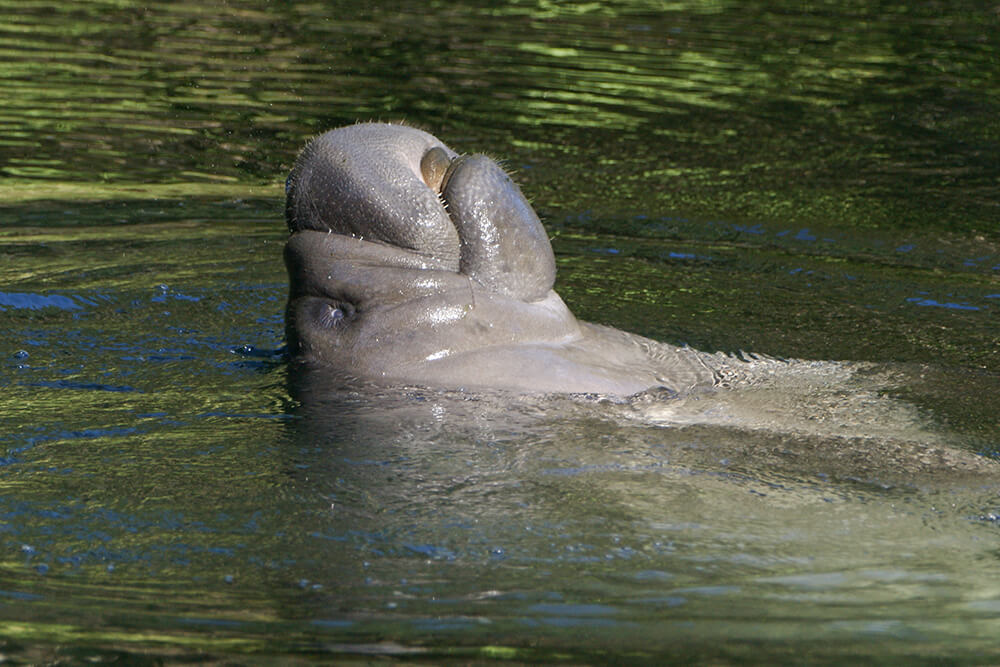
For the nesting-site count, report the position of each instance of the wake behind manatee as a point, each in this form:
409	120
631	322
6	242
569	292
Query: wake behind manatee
762	414
758	392
840	417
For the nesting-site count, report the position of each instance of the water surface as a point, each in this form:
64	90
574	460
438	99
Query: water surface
818	183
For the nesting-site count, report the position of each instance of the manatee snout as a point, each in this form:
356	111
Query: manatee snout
400	186
365	181
503	244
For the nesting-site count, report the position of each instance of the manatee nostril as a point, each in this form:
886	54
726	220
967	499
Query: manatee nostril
453	167
433	167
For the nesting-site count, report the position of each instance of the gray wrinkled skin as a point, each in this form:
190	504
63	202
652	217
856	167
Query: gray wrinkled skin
504	246
409	265
365	181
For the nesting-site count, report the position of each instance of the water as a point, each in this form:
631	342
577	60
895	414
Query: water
817	183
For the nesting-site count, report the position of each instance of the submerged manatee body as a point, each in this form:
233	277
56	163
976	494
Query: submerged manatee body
410	264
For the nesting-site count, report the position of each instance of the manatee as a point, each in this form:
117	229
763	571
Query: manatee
412	265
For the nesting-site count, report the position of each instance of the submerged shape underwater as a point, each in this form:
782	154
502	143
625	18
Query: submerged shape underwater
790	456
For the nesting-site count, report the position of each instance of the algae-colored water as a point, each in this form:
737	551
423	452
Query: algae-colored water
817	182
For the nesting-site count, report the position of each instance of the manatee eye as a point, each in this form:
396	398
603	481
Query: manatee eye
330	315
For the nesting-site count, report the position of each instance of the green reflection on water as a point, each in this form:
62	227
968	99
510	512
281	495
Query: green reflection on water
223	91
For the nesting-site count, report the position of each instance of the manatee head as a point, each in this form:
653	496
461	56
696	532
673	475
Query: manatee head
408	262
403	188
411	264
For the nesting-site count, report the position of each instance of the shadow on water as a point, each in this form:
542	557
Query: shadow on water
807	182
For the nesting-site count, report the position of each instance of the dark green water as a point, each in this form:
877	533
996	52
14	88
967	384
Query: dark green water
819	182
